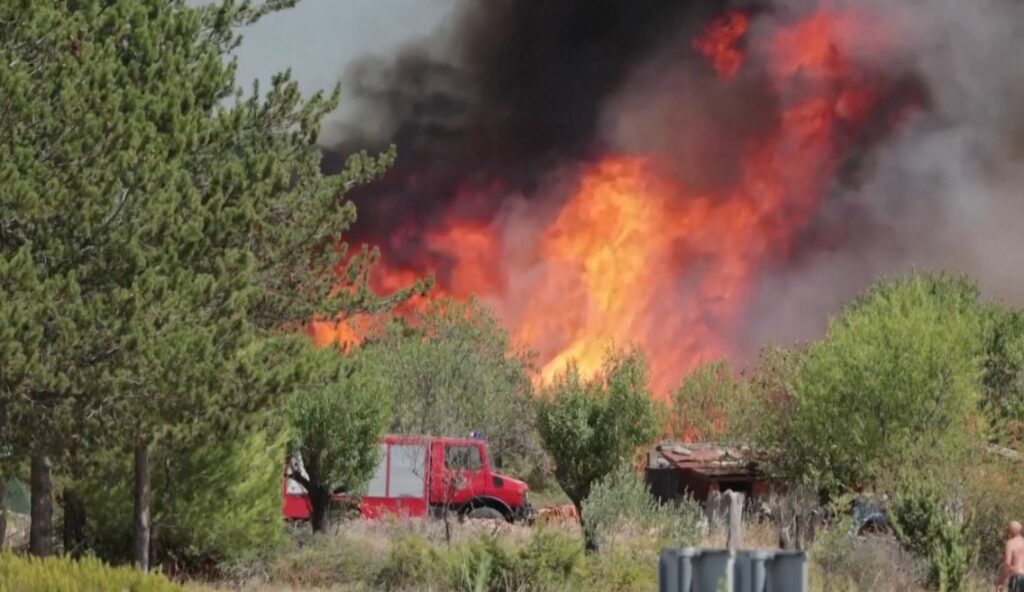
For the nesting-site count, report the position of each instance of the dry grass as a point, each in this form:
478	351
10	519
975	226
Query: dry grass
352	559
755	536
378	535
354	556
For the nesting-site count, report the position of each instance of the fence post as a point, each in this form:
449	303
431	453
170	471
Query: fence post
735	537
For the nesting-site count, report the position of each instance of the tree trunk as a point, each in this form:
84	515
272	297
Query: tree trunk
140	545
3	511
40	538
590	543
74	524
320	498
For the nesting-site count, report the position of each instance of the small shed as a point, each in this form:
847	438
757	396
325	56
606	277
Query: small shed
702	469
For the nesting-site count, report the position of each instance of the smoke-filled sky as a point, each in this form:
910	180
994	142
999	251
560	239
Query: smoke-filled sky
318	38
508	98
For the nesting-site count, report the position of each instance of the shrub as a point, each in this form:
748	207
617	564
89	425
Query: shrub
621	504
992	493
547	562
1003	378
552	557
310	561
412	562
926	526
894	382
30	574
623	570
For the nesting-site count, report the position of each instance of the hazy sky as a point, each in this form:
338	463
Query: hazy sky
319	37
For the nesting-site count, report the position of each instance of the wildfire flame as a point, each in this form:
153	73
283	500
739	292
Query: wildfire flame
718	43
635	256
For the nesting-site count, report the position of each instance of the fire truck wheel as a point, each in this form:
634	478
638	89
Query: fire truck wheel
484	513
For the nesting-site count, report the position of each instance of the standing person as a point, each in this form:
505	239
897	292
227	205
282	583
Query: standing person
1011	577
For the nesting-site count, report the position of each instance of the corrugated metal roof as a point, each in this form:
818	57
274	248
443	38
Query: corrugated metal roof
706	457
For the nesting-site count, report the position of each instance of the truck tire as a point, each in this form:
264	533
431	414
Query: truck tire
485	513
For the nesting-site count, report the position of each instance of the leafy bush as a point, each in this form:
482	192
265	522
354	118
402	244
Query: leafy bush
622	570
30	574
547	562
927	527
895	379
412	562
1003	379
621	504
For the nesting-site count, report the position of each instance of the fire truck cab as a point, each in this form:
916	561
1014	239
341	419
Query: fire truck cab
419	476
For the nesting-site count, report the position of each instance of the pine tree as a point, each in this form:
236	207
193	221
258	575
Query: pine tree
162	232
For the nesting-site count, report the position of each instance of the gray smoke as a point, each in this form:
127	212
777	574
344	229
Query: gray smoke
946	192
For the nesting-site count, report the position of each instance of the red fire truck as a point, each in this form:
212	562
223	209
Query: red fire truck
419	476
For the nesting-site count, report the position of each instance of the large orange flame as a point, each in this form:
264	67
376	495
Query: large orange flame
634	256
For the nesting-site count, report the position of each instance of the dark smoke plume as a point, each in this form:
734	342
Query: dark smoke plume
514	89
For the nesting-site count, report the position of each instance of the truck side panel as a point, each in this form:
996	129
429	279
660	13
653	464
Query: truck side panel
400	484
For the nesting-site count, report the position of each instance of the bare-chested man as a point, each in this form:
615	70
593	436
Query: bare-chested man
1011	578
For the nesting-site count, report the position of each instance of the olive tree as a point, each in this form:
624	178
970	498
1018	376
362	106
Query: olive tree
452	370
590	427
336	421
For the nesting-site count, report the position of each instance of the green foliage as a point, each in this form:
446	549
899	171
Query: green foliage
315	564
620	504
894	381
928	528
17	496
160	230
210	502
338	417
772	384
592	427
1003	379
547	562
336	420
713	405
623	570
412	562
29	574
451	371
